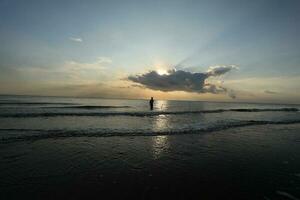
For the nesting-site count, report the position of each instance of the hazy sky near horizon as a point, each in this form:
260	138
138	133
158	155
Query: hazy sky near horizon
89	48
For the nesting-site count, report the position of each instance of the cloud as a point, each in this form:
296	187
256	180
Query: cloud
179	80
98	64
173	81
270	92
220	70
104	60
75	39
86	71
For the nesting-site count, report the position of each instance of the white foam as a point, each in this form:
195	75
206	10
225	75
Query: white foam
285	194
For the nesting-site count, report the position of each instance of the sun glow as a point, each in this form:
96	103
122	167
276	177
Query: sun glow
162	71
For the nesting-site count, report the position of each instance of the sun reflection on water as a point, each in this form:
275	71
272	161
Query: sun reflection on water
160	143
161	105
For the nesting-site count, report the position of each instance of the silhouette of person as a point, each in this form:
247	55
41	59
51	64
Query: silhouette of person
151	103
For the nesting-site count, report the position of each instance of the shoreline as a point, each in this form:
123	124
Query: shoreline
252	162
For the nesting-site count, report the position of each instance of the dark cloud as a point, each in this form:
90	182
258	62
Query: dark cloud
131	86
270	92
174	81
231	93
220	70
184	81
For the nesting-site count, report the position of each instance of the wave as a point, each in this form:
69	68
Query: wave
90	107
17	103
140	114
265	110
37	134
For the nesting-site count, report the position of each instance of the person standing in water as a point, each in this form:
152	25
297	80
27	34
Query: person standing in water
151	102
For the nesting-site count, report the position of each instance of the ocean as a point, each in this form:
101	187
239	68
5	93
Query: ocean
59	147
25	118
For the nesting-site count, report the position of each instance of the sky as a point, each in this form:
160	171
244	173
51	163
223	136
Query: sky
215	50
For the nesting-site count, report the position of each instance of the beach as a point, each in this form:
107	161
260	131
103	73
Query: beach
254	162
150	100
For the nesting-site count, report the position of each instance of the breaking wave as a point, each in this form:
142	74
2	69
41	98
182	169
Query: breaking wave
36	134
32	103
89	107
139	114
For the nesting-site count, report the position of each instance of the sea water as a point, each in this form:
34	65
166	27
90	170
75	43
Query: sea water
28	117
89	148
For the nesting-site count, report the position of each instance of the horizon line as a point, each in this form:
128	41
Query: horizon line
120	98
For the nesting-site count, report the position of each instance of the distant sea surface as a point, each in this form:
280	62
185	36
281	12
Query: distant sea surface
88	148
25	118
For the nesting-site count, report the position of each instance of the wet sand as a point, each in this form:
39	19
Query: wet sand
256	162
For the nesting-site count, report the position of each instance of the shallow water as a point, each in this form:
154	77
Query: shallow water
256	162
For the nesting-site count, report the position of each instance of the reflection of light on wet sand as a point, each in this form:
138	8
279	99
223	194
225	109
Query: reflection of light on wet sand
160	143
